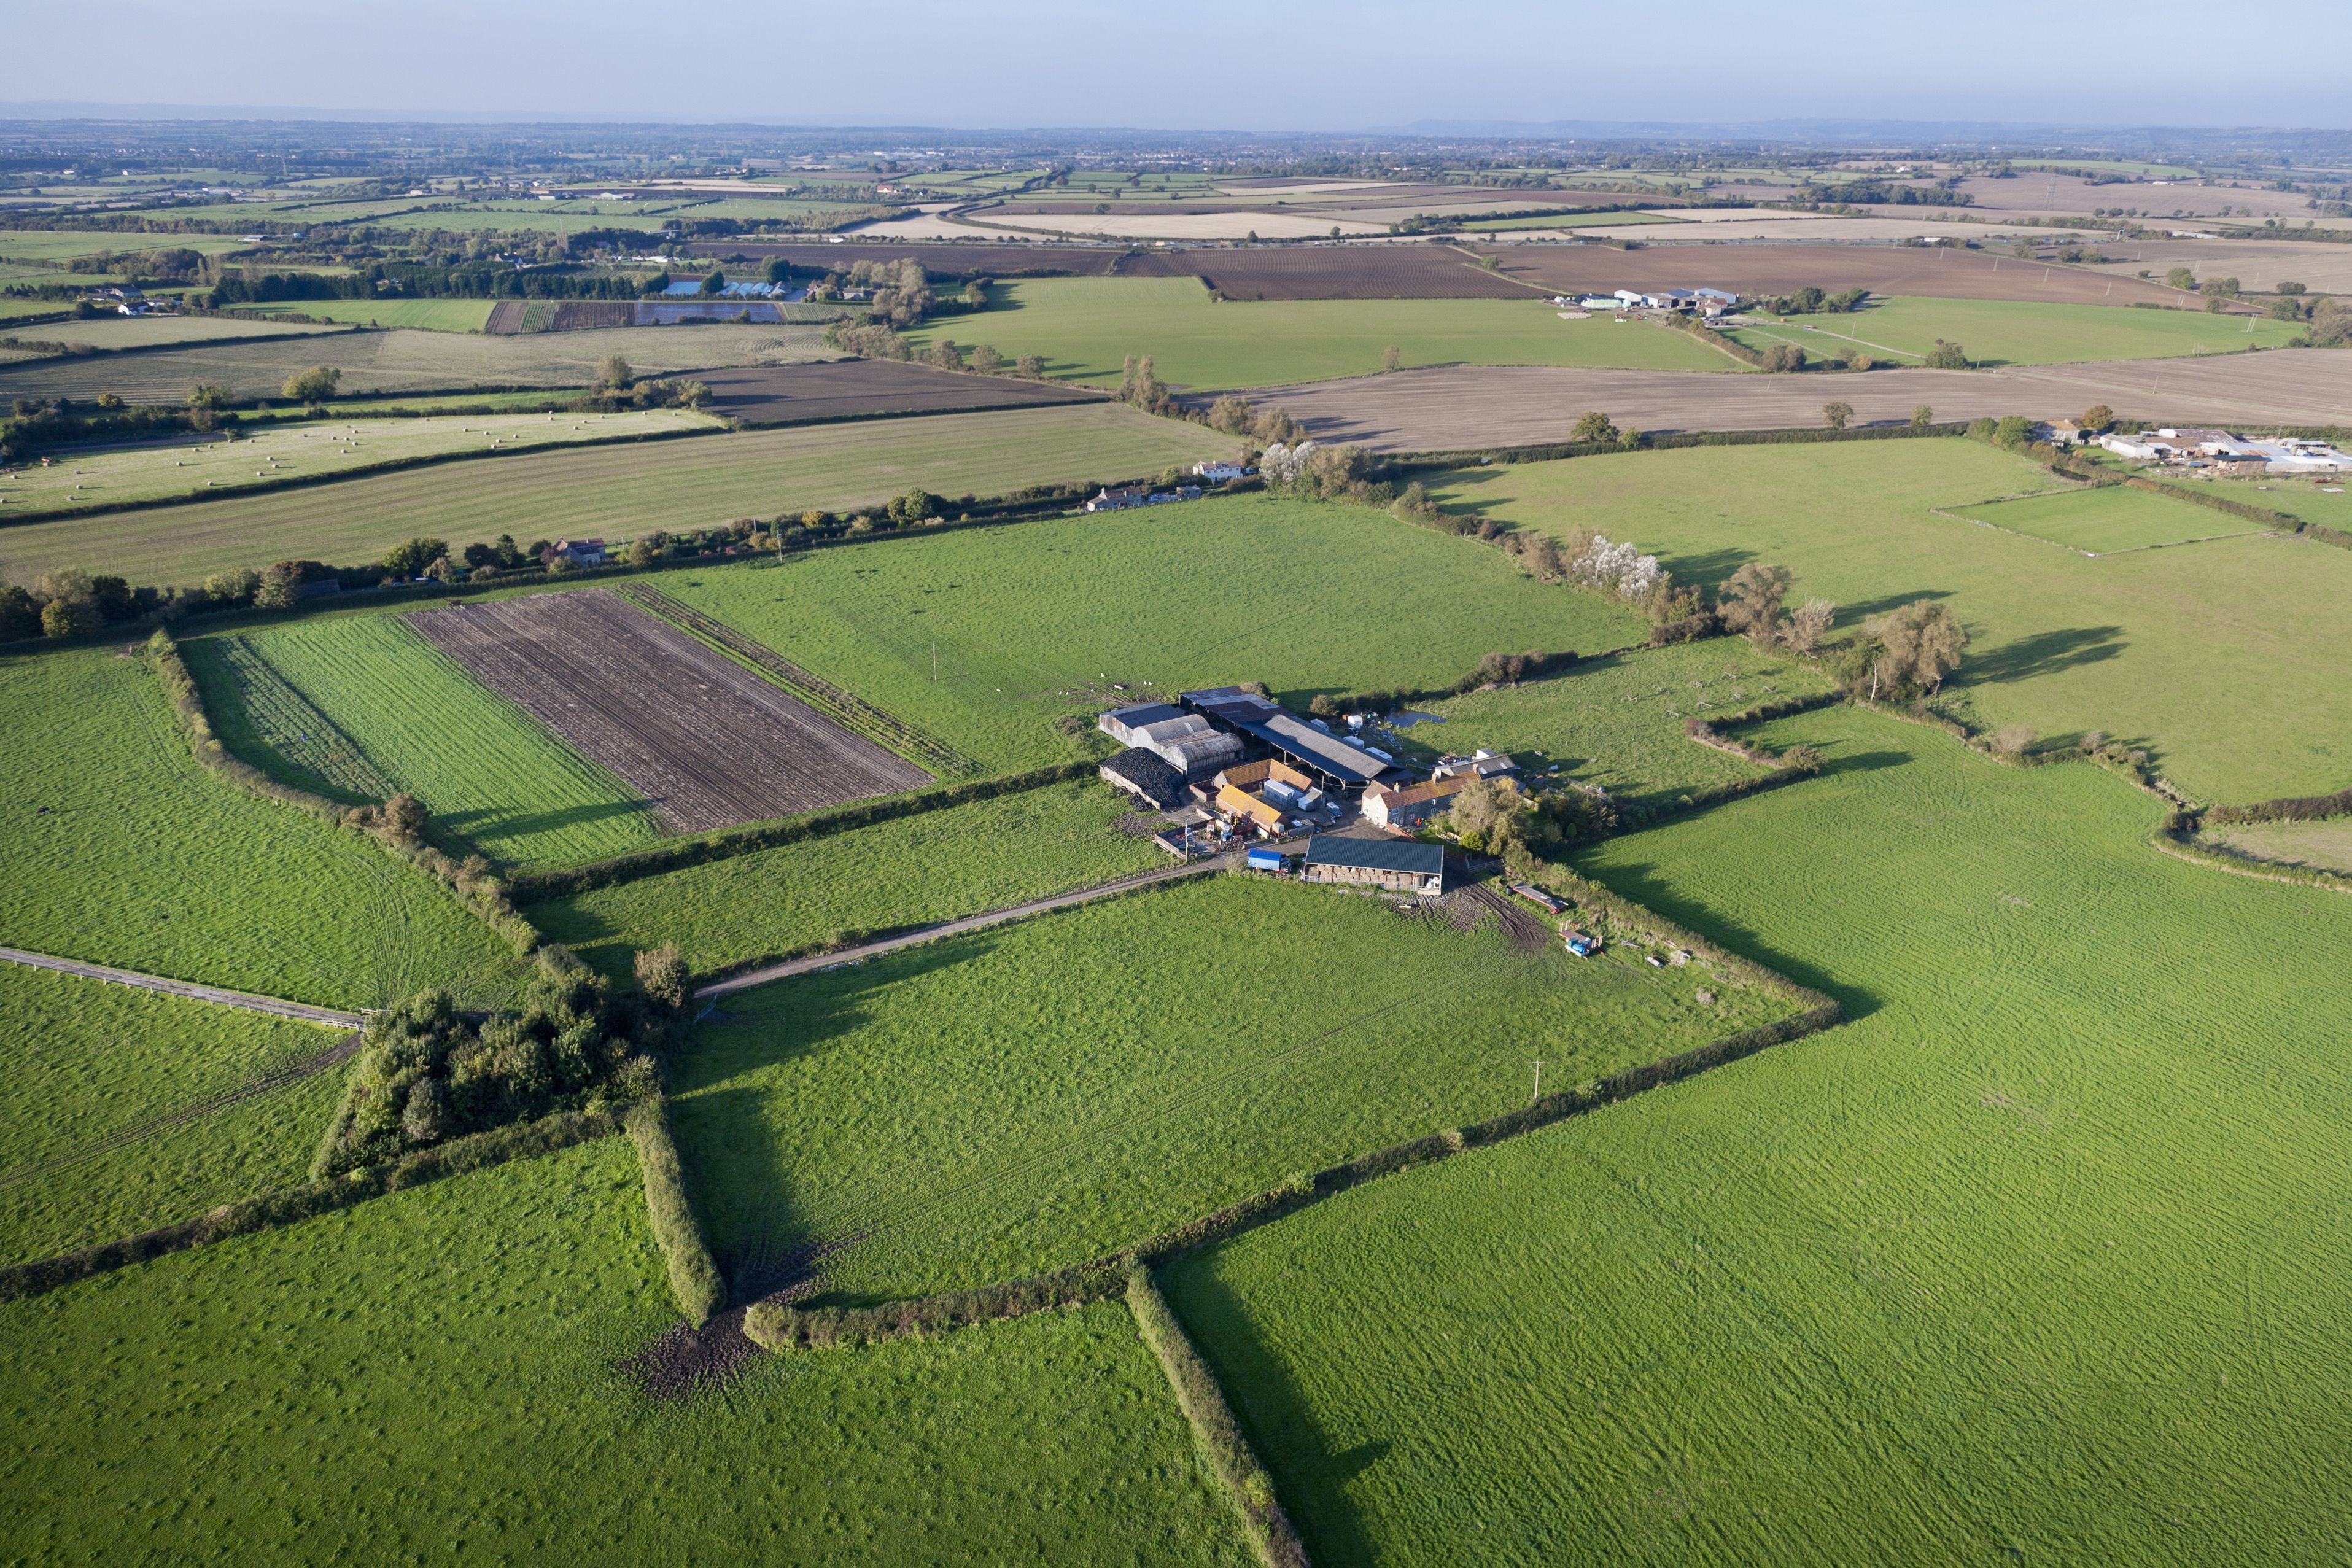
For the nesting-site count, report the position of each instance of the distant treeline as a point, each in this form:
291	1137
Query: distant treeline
404	280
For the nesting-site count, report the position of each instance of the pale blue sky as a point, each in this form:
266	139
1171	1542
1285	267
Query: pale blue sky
1202	64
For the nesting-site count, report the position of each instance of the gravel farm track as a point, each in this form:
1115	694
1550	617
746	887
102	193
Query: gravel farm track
1468	408
708	742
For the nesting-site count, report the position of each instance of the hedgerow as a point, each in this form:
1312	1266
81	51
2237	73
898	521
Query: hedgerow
693	1276
397	825
1220	1437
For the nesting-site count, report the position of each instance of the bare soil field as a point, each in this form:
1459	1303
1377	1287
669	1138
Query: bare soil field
947	259
1941	271
1330	272
1469	408
708	742
405	361
2039	191
2261	264
848	389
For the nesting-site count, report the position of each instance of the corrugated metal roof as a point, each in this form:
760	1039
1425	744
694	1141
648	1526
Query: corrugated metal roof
1377	854
1145	713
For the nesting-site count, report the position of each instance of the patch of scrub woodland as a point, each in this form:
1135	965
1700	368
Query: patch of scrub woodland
2037	1256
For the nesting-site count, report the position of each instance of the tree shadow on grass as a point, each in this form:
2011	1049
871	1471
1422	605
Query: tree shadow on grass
2044	653
1311	1478
1648	886
507	822
1712	567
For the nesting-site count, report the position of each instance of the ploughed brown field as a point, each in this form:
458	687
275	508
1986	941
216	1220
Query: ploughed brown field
1332	272
1945	271
1468	408
706	742
943	261
507	316
857	388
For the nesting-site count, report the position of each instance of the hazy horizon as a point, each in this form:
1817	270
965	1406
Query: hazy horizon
1217	67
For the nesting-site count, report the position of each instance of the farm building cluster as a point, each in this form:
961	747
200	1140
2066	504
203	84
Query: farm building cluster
1227	765
1705	303
2215	451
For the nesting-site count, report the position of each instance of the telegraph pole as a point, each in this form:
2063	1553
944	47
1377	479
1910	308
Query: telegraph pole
1539	1094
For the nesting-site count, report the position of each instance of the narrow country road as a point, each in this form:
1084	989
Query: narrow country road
284	1009
858	954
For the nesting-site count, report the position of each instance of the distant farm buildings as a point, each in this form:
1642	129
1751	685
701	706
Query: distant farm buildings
1123	499
2219	451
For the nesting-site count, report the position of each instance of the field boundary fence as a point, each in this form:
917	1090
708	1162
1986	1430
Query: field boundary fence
288	1206
846	708
1549	452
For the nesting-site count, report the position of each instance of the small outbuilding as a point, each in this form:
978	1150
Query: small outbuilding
1395	863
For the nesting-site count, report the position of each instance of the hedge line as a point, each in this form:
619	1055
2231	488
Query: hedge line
1406	461
1713	338
536	885
2177	839
780	1327
1219	1437
2288	808
290	1204
693	1276
482	896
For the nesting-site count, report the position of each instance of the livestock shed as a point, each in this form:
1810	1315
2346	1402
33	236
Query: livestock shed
1145	775
1394	863
1304	746
1185	742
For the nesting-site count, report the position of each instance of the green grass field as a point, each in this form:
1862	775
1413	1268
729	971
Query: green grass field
494	778
65	244
407	361
2324	846
936	866
87	1062
276	453
1617	723
426	315
150	332
1084	327
1028	619
1901	329
2203	654
620	491
430	1377
2327	503
2039	1259
2104	522
1032	1095
117	847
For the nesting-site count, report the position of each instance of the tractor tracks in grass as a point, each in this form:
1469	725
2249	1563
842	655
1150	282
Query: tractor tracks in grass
254	1088
220	996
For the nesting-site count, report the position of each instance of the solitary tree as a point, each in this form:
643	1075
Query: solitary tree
614	373
1752	600
2097	417
1922	416
1783	358
1594	427
1389	358
2181	277
987	361
1030	368
314	385
1836	415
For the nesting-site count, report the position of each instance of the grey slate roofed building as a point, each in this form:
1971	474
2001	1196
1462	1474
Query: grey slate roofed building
1297	742
1398	863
